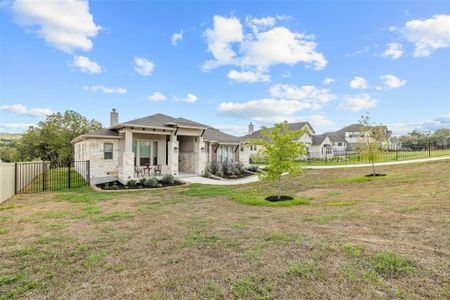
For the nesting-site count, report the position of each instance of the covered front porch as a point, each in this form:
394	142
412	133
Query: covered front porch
149	152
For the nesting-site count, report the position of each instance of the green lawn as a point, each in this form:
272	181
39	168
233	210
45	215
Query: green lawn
345	236
56	179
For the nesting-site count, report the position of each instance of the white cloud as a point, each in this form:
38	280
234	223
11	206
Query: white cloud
23	110
15	127
248	76
143	66
261	47
328	80
190	98
308	93
358	102
157	97
176	37
267	110
86	65
105	90
225	32
427	125
257	24
359	83
66	25
394	50
391	81
428	35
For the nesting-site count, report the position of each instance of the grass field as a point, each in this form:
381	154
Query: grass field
345	237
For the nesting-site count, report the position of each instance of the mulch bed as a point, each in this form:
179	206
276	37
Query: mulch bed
242	175
120	186
375	175
276	199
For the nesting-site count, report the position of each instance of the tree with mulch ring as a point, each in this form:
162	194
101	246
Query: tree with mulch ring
372	143
279	147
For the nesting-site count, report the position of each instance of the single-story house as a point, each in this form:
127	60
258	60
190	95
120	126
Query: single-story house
159	143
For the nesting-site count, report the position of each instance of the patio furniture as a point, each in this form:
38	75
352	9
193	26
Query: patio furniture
157	171
148	170
137	172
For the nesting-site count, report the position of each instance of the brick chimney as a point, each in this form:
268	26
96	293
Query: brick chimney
251	128
114	118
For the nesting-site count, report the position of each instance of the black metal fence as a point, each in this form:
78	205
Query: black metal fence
32	177
353	157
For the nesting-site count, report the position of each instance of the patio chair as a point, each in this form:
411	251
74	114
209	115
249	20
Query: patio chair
137	171
157	171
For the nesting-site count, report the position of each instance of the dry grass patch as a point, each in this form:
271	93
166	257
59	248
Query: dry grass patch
365	239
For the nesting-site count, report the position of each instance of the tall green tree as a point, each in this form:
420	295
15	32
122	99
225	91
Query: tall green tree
279	148
373	142
50	139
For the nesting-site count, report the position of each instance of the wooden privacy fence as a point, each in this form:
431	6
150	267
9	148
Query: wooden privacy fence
38	176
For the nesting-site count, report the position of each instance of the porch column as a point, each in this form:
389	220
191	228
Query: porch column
127	157
172	155
200	156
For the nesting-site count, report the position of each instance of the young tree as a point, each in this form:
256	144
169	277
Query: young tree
279	148
373	142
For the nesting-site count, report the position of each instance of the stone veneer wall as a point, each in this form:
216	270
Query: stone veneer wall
99	166
187	162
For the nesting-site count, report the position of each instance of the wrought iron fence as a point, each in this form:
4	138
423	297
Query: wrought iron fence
32	177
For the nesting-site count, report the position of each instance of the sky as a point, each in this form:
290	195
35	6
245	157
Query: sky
226	64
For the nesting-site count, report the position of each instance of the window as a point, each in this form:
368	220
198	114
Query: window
339	144
219	154
108	151
135	151
144	153
155	153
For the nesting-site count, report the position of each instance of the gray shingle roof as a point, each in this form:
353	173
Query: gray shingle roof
354	128
161	120
212	134
318	139
335	137
291	126
104	132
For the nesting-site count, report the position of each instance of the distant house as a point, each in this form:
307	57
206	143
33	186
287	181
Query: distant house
158	144
317	146
352	133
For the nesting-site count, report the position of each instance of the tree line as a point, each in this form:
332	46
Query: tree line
416	140
50	140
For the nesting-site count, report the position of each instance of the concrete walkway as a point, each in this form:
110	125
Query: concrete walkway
412	161
204	180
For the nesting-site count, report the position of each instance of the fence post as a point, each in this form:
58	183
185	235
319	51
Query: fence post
43	176
429	147
15	178
88	165
68	173
396	153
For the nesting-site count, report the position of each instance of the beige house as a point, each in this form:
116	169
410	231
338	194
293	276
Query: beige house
155	145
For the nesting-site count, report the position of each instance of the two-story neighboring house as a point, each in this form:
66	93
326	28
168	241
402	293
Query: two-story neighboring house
350	135
306	138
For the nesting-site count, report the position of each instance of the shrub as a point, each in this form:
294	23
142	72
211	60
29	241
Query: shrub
131	183
253	169
214	167
227	169
142	181
206	174
114	186
240	167
152	183
168	179
219	173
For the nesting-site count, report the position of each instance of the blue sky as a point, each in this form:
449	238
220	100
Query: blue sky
227	63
